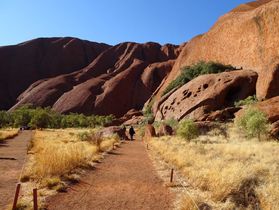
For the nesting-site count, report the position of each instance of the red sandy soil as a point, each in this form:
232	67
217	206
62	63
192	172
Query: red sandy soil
12	157
126	179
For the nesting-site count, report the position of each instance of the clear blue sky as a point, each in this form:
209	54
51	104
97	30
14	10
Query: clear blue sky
110	21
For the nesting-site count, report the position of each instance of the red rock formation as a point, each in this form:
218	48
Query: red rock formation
25	63
149	132
205	94
247	37
121	78
165	130
271	108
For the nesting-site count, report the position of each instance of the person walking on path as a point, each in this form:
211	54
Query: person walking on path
132	132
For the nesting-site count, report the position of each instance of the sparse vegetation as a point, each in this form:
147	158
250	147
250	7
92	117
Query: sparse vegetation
232	173
58	152
247	101
148	113
187	129
190	72
253	122
47	118
57	156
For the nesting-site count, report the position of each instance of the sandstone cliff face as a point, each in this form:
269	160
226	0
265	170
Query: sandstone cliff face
120	78
247	37
25	63
205	94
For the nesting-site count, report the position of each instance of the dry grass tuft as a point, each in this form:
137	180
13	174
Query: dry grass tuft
232	172
58	152
8	133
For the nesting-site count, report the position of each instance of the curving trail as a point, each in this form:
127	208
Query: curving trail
126	179
12	155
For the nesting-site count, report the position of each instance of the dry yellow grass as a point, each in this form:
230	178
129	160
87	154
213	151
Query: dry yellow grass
230	171
58	152
8	133
55	158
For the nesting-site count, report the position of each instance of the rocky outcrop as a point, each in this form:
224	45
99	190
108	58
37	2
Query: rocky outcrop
113	130
165	130
25	63
149	132
245	37
221	115
271	108
121	78
205	94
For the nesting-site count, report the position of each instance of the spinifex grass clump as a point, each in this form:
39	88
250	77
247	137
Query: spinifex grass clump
190	72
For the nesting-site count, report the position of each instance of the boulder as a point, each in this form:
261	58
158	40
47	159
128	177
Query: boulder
112	130
165	130
271	108
222	115
135	120
206	94
149	132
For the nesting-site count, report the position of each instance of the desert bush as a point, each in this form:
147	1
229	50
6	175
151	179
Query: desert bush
187	129
40	119
47	118
190	72
5	119
22	116
247	101
253	122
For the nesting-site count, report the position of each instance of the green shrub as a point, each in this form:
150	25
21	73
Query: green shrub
190	72
22	116
40	119
47	118
247	101
187	129
253	122
5	119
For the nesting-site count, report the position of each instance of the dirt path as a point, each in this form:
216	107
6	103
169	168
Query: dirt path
12	156
125	179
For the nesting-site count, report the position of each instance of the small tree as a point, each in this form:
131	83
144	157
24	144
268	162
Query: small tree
22	116
40	119
5	119
187	129
253	122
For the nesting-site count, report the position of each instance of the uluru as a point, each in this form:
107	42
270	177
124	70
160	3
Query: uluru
156	105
